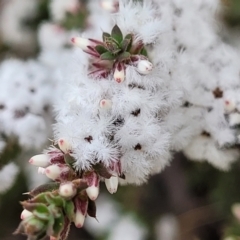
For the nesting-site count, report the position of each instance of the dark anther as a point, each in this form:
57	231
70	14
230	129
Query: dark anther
218	93
32	90
181	48
138	147
2	106
206	134
118	122
186	104
136	112
46	108
133	85
88	139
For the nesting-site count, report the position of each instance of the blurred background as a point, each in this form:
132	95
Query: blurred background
187	201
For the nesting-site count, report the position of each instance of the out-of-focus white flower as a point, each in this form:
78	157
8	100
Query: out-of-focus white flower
129	225
167	228
60	8
8	176
12	30
110	5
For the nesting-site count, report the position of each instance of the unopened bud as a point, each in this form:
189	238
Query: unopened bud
81	206
25	213
83	43
41	160
144	67
79	219
67	190
119	75
53	171
229	105
93	192
64	145
105	104
112	184
92	180
87	45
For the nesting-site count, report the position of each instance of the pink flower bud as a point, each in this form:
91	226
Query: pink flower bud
105	104
64	145
119	74
67	190
87	45
79	219
92	192
112	184
83	43
41	160
25	214
92	180
53	171
144	67
229	105
81	206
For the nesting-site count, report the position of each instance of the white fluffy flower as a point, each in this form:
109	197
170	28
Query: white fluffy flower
8	175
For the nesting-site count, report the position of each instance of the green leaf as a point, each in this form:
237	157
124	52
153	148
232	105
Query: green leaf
105	36
32	206
107	56
69	210
100	49
40	198
55	211
41	212
44	188
58	226
69	160
144	52
117	34
126	44
124	56
55	200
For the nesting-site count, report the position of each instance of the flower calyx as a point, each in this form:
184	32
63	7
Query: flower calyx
114	53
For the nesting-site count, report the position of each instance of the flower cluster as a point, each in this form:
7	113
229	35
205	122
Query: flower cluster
143	91
70	198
